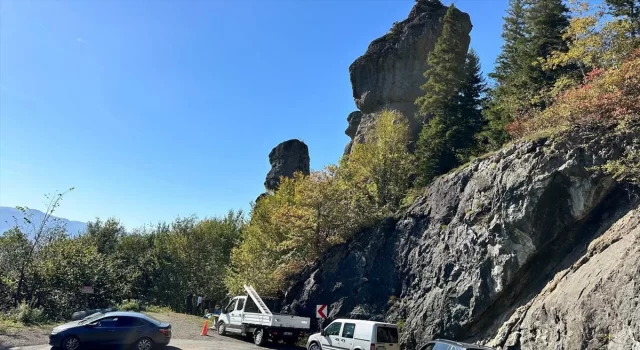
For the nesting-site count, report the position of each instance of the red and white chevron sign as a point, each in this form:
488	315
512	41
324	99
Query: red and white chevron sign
322	311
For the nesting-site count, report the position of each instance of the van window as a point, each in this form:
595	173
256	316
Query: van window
333	329
348	330
240	304
386	334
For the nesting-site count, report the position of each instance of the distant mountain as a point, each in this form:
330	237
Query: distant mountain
7	220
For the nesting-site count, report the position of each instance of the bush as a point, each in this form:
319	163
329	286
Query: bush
131	305
27	315
605	95
158	309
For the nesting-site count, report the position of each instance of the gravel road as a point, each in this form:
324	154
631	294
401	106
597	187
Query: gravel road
185	336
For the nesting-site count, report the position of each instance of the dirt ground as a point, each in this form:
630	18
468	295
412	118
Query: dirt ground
185	336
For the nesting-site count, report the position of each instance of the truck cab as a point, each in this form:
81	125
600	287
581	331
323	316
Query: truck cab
249	315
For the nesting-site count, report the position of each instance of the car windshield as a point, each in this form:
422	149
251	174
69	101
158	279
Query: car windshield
91	318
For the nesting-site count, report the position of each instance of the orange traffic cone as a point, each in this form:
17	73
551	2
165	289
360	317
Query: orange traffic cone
205	329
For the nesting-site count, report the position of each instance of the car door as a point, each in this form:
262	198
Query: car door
128	330
346	337
236	314
331	336
225	315
103	331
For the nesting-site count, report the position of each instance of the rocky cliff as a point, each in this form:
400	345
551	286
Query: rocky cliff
529	248
390	73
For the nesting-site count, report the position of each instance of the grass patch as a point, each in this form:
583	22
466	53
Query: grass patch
159	309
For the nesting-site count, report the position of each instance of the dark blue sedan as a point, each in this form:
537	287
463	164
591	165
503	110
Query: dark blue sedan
122	329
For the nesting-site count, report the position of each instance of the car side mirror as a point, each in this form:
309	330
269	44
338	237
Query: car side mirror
323	333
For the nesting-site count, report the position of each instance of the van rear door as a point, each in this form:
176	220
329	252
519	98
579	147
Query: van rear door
386	337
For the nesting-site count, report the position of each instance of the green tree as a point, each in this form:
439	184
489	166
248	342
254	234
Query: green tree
508	98
379	171
546	21
445	73
471	100
629	10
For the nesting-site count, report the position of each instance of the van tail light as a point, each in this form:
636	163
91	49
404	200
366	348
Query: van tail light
373	346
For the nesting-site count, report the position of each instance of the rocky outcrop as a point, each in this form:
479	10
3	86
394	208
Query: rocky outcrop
286	158
390	73
501	251
592	304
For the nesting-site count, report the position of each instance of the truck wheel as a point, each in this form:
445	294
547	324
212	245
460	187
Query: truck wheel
222	328
258	337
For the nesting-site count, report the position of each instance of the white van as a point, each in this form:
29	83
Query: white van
345	334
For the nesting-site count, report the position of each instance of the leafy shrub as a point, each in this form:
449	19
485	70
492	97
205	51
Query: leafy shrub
158	309
605	95
626	169
130	305
27	315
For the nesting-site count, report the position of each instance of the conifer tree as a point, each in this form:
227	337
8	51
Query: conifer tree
445	73
629	9
507	99
445	76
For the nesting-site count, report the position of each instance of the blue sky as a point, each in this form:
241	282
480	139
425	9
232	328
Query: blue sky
158	109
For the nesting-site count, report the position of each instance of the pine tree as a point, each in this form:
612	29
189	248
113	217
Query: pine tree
509	60
508	98
545	22
630	9
469	107
445	74
533	30
445	77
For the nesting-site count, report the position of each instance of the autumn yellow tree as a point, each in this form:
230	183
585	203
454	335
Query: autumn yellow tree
379	170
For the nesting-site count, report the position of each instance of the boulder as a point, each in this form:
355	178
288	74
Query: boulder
390	73
287	158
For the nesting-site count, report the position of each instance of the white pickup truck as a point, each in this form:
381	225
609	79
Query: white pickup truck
249	315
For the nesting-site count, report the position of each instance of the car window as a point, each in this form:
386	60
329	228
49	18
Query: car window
151	319
428	347
443	346
240	304
386	334
333	329
107	322
126	322
348	329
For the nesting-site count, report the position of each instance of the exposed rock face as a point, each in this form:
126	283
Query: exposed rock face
593	304
474	257
287	158
390	73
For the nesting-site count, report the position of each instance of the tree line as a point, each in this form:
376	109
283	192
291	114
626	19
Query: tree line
44	268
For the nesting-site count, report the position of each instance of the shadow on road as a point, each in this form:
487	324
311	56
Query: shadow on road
268	345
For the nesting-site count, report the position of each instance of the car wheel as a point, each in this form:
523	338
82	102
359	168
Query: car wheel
314	346
71	343
258	337
222	328
144	344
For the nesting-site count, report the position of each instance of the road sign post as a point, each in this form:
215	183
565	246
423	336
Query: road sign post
322	311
